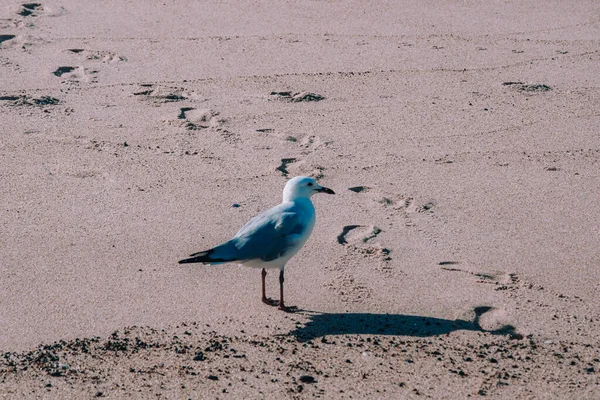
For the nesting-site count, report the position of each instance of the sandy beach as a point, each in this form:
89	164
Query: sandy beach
458	258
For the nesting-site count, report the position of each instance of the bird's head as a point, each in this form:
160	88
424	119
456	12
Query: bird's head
303	187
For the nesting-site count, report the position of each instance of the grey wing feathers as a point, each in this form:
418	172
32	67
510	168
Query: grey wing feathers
268	236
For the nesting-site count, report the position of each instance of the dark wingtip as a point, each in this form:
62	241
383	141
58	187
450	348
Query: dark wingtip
200	257
204	257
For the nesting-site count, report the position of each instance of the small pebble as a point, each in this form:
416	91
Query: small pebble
307	379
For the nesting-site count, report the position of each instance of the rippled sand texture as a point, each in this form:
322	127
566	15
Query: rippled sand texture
459	256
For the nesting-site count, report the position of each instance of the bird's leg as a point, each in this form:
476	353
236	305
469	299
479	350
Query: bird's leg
264	275
281	303
264	294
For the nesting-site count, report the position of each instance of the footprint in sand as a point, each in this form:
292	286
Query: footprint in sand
299	167
359	189
296	97
199	119
398	204
103	56
6	38
345	283
283	166
25	100
358	241
296	167
360	254
21	41
12	23
493	319
313	142
76	74
32	10
164	94
60	71
502	280
357	234
386	199
25	14
348	288
532	88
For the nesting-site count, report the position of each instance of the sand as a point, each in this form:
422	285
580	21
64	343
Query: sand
459	257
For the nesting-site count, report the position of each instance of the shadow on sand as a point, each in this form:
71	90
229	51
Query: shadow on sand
323	324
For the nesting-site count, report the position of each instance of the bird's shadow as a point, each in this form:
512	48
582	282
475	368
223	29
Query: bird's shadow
324	324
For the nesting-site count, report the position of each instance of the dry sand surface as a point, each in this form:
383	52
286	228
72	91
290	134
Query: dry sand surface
459	257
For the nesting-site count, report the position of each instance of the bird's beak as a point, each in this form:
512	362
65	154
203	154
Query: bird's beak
325	190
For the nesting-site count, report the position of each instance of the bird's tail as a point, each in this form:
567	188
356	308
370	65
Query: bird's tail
212	256
201	257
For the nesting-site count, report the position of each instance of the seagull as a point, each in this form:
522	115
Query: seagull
271	238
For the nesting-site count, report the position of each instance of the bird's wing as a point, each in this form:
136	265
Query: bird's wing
269	235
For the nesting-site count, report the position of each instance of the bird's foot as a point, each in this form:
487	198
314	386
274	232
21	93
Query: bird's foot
284	308
269	302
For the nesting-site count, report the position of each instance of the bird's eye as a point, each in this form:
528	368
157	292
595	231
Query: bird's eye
310	184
